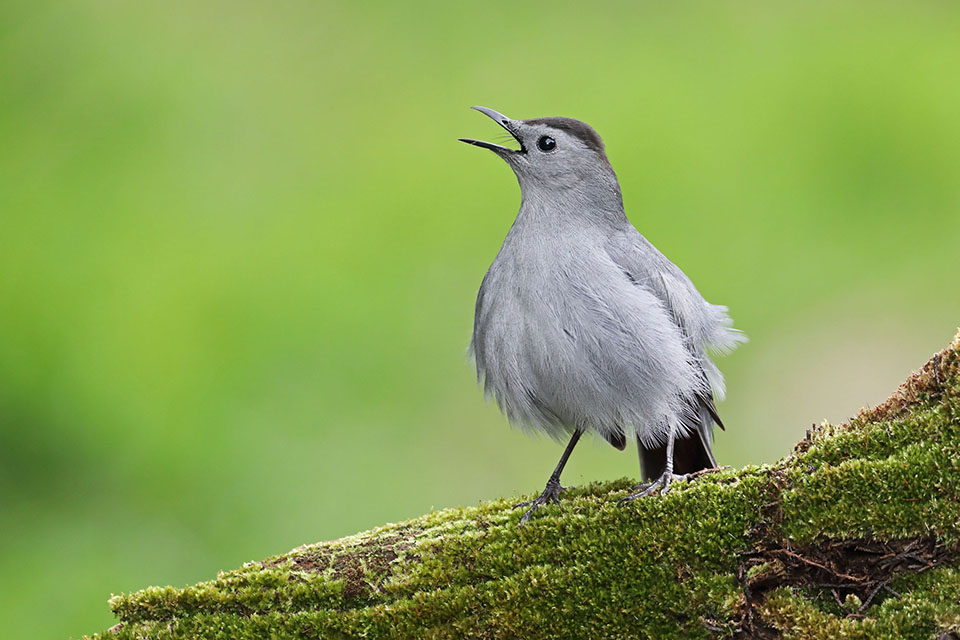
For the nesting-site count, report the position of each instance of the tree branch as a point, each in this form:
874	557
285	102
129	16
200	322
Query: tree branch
854	535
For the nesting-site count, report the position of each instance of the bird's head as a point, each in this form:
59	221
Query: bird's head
555	153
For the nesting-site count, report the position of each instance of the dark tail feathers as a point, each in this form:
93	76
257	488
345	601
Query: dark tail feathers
691	453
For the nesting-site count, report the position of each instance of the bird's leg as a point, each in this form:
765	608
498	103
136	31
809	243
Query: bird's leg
551	493
664	481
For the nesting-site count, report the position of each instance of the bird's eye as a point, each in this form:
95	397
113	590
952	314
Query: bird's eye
546	143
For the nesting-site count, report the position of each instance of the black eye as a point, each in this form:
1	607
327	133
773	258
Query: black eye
546	143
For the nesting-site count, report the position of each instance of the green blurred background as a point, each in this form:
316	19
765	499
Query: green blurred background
239	249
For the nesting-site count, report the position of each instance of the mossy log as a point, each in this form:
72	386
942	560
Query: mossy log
856	534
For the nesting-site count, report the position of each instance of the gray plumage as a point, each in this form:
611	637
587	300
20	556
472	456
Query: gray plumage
581	323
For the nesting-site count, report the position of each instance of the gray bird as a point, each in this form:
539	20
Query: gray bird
582	325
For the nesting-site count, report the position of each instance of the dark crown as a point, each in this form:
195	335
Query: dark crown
580	130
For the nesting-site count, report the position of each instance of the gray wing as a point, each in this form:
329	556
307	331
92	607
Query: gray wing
704	326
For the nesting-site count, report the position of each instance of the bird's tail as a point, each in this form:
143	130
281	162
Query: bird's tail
691	452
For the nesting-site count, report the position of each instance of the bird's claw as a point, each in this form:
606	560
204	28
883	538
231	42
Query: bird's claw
551	493
649	488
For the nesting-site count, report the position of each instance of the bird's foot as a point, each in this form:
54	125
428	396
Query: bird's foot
663	483
551	493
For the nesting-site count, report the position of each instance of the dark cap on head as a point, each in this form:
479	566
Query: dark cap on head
580	130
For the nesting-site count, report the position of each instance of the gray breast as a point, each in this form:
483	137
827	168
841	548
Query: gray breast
564	340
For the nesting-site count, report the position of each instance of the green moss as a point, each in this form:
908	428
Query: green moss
678	566
930	608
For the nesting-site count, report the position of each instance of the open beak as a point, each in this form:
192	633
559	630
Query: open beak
503	121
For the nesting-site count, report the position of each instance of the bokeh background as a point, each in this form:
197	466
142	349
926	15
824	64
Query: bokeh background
239	249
